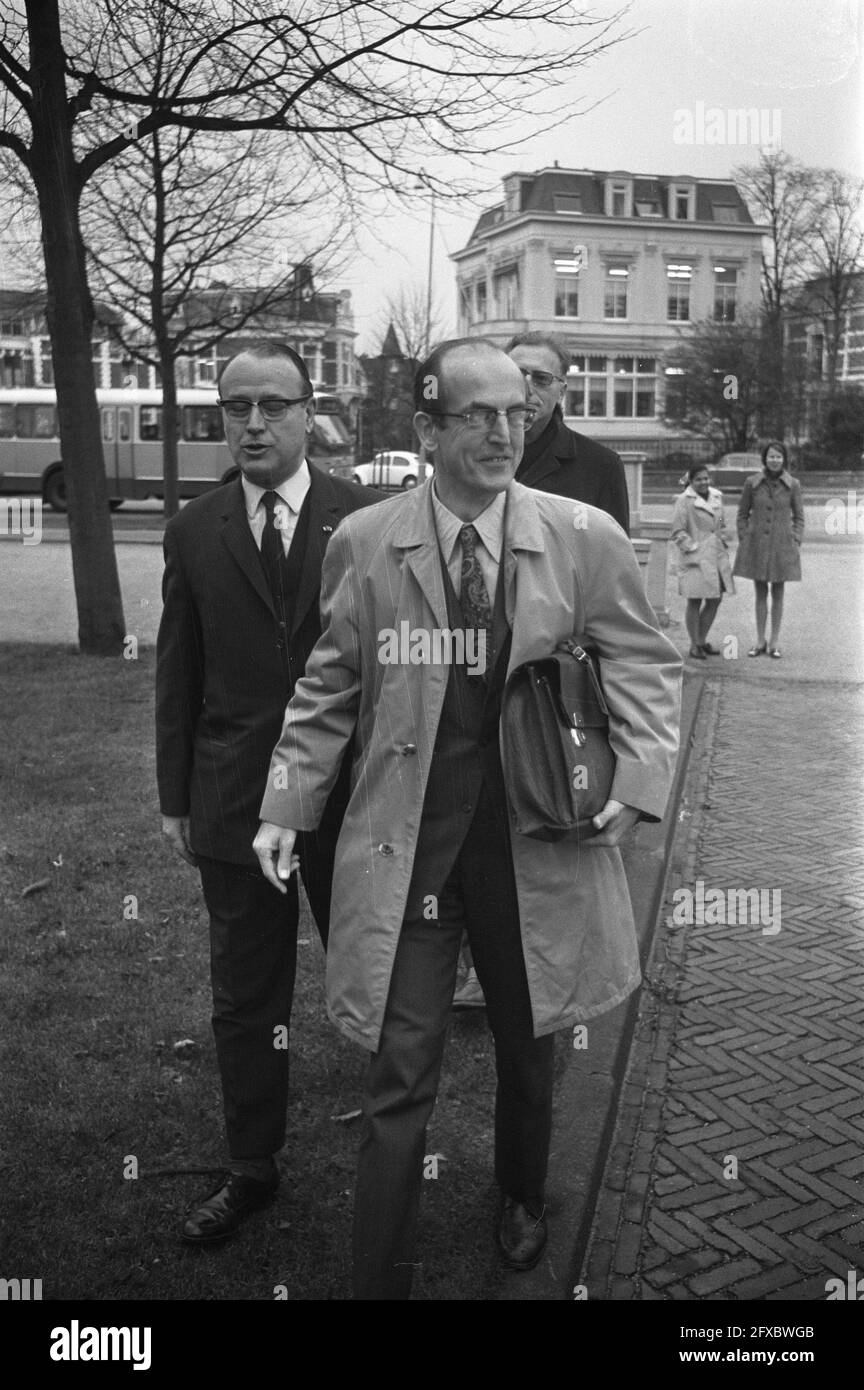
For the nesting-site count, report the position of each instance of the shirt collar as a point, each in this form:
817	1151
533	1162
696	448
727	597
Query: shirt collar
489	525
293	490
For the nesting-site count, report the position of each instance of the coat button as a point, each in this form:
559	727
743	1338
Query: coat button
385	849
408	749
466	806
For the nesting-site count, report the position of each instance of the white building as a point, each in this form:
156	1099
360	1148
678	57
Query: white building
617	264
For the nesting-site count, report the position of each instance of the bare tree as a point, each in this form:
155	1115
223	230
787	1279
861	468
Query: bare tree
779	193
180	209
362	89
719	382
835	243
406	309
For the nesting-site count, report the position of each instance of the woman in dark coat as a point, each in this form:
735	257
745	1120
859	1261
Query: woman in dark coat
770	528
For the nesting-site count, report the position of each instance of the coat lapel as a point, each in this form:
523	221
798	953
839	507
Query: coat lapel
325	513
417	536
239	540
522	532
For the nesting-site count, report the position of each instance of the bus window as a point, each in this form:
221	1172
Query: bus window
124	422
150	424
35	422
7	421
108	425
202	423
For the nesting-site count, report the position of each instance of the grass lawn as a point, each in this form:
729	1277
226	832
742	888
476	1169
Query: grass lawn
94	999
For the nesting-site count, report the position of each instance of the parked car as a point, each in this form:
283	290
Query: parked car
731	471
393	469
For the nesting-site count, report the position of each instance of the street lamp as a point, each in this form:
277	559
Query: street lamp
423	182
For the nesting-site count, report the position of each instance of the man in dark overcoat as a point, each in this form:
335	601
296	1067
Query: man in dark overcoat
241	615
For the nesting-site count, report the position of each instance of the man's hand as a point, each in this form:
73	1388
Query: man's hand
274	845
615	820
176	832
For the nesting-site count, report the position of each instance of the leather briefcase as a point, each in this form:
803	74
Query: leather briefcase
558	764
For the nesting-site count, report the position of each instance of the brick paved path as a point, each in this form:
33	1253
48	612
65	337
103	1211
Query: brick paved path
748	1055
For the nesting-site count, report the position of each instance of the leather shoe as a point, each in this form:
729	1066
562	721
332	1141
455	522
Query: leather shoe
220	1214
469	995
521	1235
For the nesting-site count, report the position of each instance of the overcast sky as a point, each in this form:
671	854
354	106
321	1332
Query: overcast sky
798	58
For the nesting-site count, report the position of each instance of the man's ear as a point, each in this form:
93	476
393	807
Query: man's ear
425	430
310	414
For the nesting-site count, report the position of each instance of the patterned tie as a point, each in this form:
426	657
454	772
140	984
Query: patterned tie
272	550
474	596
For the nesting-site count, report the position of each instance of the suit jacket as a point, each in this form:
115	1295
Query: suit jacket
225	665
572	465
382	571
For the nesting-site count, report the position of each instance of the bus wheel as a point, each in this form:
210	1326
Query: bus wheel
115	503
54	491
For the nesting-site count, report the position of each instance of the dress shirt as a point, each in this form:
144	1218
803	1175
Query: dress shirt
292	492
489	526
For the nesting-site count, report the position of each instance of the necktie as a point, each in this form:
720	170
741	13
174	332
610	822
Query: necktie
474	596
272	550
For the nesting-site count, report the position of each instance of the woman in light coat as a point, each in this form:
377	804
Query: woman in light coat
704	572
770	528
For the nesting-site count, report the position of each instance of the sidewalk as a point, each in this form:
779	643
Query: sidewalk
735	1167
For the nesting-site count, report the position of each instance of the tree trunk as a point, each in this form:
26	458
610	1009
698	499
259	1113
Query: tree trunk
101	627
170	430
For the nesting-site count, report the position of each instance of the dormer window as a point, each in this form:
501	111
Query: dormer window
619	197
681	202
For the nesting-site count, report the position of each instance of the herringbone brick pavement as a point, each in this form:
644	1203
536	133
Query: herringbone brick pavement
737	1166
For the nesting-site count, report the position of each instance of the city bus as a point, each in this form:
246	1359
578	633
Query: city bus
131	426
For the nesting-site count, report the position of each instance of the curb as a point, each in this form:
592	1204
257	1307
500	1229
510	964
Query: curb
587	1099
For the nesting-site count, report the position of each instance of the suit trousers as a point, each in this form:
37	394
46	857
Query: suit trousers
402	1080
253	959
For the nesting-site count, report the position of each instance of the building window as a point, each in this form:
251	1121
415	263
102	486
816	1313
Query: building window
11	328
566	296
309	353
587	388
16	368
46	365
328	365
816	353
481	300
619	198
205	371
634	387
615	294
678	292
505	287
725	290
680	199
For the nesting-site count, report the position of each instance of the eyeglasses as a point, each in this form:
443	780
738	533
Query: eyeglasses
540	378
485	418
271	407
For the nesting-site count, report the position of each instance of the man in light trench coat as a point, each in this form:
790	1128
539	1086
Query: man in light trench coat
426	845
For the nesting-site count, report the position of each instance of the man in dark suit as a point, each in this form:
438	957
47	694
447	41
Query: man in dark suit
557	459
241	615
